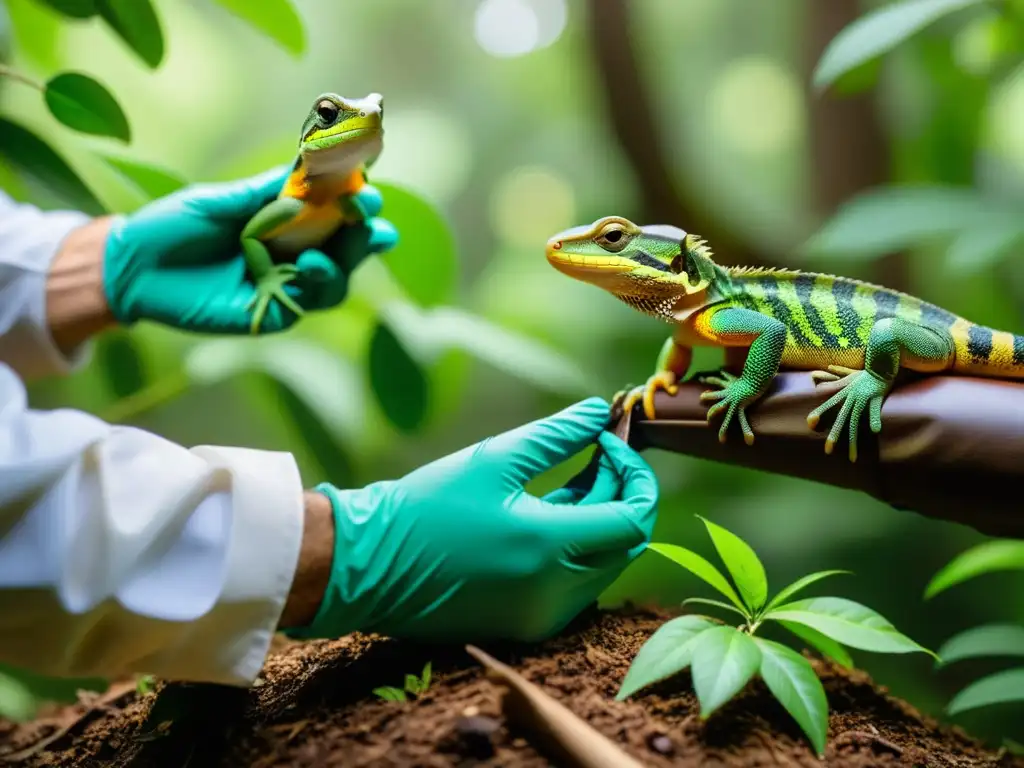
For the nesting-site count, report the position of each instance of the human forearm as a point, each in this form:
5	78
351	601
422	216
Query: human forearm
123	552
314	567
76	305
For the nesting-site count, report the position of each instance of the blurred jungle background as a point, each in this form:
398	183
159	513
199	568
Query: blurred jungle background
508	120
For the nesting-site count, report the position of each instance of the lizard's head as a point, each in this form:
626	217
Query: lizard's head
656	268
341	134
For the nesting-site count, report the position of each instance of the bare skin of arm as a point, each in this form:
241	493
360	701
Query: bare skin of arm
77	310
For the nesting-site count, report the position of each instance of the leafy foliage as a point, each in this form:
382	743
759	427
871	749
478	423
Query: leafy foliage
986	641
136	23
880	31
398	380
21	691
723	659
82	103
277	19
414	686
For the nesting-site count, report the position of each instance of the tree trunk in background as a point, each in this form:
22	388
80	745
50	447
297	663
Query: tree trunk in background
849	149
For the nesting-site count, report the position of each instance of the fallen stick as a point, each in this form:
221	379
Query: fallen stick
561	731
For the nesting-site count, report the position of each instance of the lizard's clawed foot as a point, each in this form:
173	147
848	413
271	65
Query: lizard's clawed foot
271	286
834	373
733	396
863	389
629	397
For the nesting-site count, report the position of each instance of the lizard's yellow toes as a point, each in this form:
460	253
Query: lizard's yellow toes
812	420
664	380
829	446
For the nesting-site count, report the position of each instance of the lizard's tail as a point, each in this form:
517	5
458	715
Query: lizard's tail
982	351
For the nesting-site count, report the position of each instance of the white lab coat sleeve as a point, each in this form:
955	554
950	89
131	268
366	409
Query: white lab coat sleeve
120	551
29	239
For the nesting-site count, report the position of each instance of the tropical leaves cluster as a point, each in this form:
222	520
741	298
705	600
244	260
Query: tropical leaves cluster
995	640
724	658
978	227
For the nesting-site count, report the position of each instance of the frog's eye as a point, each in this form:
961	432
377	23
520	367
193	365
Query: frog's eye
613	238
327	111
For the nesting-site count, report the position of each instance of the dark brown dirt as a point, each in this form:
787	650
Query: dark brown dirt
314	707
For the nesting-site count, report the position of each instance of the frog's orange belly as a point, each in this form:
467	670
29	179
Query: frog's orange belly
310	228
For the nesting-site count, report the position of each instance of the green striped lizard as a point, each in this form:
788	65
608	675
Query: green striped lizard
838	328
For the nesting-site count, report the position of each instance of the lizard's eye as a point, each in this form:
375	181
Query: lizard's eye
327	111
613	239
678	264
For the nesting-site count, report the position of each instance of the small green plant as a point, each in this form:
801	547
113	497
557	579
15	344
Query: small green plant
724	658
999	640
414	686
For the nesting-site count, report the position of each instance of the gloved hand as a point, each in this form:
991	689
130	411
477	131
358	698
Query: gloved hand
177	260
458	550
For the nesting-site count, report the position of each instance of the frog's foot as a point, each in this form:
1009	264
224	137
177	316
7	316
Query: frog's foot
662	380
733	396
862	389
271	286
834	373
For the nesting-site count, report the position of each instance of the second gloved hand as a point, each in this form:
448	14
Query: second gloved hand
458	550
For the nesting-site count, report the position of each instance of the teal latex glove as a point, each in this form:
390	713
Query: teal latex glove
458	550
177	260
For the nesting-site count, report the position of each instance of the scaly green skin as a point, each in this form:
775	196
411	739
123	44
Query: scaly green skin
341	138
842	330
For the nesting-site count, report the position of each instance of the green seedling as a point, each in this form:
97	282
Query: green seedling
144	684
996	640
414	686
724	658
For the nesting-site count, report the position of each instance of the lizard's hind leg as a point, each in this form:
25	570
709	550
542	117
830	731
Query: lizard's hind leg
890	339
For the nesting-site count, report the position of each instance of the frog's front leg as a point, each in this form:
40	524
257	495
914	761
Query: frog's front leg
890	339
766	337
673	363
269	278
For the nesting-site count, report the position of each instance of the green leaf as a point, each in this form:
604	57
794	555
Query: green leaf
74	9
278	19
825	645
435	331
716	603
135	22
144	684
666	653
1000	688
878	32
151	180
16	684
987	557
792	681
16	700
389	693
742	562
799	584
987	640
700	568
424	260
982	245
118	358
888	219
1013	747
84	104
48	171
398	381
412	683
425	676
848	623
724	660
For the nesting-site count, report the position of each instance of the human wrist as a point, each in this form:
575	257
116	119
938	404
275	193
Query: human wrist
316	558
76	303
